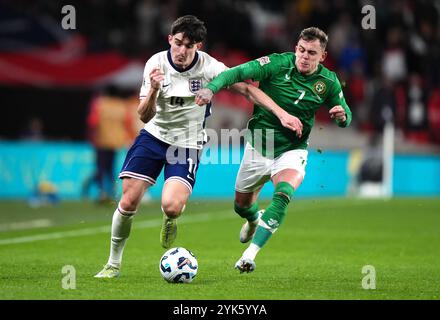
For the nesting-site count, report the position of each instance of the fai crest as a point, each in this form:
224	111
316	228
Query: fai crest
195	85
319	87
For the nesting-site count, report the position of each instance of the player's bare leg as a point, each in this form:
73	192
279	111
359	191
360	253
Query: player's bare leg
246	199
175	194
133	191
246	206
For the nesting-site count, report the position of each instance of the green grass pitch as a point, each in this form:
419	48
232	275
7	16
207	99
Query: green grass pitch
318	253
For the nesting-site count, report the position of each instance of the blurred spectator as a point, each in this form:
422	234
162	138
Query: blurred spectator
352	54
357	91
371	167
383	104
147	14
434	115
45	193
417	111
370	175
321	15
33	130
394	65
339	33
110	124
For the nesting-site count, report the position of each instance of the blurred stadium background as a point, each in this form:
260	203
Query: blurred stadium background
51	77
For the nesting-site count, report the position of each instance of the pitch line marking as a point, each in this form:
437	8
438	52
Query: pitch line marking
22	225
103	229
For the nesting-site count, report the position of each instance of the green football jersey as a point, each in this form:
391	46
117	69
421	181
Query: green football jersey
300	95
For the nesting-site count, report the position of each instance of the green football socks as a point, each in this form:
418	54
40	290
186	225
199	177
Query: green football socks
274	214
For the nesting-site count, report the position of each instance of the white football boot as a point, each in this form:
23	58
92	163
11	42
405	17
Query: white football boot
245	265
109	271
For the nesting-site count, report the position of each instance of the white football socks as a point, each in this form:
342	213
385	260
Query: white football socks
121	226
251	251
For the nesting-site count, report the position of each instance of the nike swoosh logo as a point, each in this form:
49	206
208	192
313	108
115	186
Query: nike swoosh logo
166	85
287	77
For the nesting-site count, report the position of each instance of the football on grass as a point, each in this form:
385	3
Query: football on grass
178	265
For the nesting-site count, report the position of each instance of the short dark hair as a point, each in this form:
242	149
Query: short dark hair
192	28
313	33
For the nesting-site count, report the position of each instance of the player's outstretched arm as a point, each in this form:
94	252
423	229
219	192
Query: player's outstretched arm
249	70
260	98
147	107
255	69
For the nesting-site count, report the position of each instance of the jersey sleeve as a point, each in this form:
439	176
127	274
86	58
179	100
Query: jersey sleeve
214	68
255	70
152	63
335	98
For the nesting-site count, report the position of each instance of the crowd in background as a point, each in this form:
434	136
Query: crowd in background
395	67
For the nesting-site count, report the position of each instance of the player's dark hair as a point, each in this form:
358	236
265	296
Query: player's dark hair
313	33
192	28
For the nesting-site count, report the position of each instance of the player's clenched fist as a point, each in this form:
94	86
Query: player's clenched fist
203	96
292	123
156	76
338	113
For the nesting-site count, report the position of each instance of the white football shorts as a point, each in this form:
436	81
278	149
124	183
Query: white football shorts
255	169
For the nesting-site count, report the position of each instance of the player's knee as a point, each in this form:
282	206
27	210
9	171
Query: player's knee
173	208
239	204
131	197
128	204
242	202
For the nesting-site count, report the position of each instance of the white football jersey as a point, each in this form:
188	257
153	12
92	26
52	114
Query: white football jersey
179	121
